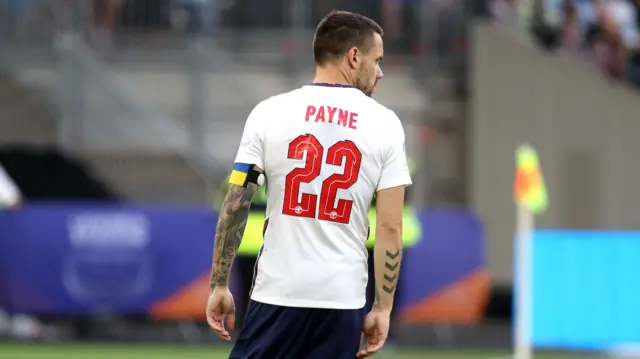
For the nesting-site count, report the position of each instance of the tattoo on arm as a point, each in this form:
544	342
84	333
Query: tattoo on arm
232	221
392	264
392	267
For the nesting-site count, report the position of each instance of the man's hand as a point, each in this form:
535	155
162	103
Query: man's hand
376	329
219	306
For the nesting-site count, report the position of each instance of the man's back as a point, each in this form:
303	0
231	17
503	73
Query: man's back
326	151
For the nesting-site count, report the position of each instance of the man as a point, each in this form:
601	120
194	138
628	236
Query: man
105	18
195	16
10	197
19	326
324	149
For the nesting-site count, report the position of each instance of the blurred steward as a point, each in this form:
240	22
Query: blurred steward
105	17
10	197
18	326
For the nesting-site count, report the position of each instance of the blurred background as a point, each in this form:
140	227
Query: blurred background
120	119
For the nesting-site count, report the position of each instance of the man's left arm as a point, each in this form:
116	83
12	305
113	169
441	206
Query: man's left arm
232	221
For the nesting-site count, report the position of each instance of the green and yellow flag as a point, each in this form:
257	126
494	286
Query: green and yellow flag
529	189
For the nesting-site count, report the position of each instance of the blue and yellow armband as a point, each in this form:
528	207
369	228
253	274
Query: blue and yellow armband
243	174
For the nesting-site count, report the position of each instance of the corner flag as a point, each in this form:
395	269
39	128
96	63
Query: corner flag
529	190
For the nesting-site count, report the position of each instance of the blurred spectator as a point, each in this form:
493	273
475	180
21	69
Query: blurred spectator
105	16
500	9
633	62
543	23
392	19
10	196
105	13
618	33
19	326
27	16
195	16
144	15
571	31
24	17
604	30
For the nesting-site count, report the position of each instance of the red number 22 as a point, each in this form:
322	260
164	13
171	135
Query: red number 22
305	204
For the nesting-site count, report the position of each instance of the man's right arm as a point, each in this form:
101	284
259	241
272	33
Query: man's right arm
387	250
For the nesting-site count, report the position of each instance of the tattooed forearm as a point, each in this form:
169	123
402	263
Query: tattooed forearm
387	267
231	224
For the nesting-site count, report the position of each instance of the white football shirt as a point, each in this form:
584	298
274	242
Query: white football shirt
325	150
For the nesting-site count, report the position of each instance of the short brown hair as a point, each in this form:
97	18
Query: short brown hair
339	31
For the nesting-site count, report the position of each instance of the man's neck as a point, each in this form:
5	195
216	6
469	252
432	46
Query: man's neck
331	76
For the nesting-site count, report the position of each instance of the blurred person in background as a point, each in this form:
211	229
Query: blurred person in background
29	18
105	17
392	20
144	15
401	20
572	34
605	29
500	9
632	71
18	326
618	33
197	16
20	14
10	196
545	19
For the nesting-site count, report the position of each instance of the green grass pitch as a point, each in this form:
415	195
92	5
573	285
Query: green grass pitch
162	351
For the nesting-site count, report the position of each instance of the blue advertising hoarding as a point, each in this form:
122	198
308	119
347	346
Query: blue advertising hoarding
586	289
82	258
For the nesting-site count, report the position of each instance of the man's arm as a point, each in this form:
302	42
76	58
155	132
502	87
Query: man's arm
232	221
387	250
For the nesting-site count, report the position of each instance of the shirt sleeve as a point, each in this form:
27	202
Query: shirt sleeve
9	192
395	169
251	149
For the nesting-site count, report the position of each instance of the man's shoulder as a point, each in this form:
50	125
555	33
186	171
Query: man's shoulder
384	120
376	108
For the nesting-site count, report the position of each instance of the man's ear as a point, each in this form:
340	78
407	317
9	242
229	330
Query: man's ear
352	57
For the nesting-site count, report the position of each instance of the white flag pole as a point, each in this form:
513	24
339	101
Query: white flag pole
524	284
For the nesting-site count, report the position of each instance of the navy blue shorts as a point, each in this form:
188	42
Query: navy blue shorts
275	332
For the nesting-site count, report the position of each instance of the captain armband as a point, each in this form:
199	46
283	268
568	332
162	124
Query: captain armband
243	174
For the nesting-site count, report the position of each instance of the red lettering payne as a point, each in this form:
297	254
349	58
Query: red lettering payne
328	114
